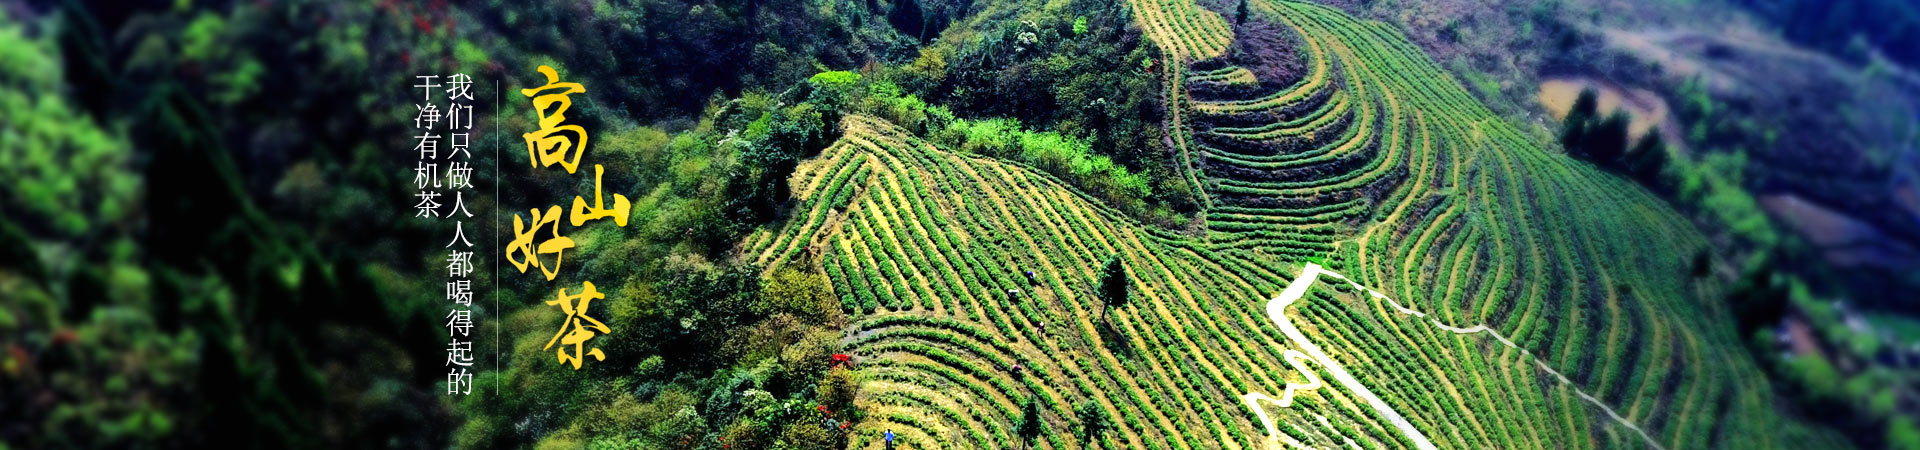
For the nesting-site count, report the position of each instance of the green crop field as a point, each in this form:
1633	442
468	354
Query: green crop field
1500	294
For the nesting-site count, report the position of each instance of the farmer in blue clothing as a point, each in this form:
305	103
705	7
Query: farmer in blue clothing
889	439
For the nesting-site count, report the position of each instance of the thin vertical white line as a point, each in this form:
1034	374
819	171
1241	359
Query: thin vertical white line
496	237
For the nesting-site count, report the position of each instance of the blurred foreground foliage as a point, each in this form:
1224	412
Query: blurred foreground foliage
163	289
209	243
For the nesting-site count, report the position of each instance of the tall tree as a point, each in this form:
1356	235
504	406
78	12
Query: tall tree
1574	129
1030	422
1113	283
1648	158
1093	420
1607	141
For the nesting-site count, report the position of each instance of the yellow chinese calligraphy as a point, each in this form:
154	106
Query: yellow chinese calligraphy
582	214
522	244
553	142
577	328
559	143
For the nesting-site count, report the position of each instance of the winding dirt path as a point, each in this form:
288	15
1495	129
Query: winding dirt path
1276	310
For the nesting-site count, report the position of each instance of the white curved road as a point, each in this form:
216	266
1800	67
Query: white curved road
1276	310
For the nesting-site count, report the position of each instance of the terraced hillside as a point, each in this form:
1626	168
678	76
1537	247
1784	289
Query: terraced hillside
1469	287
